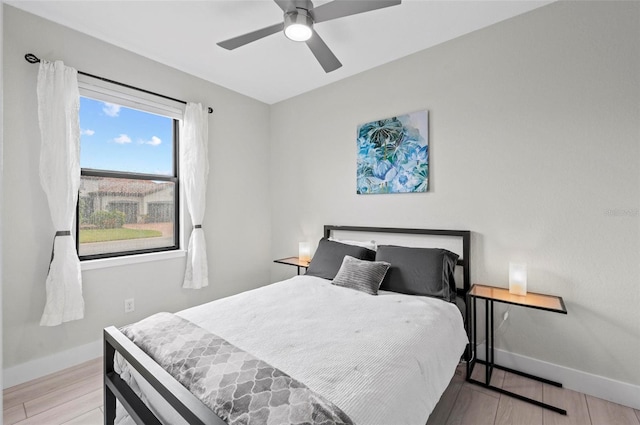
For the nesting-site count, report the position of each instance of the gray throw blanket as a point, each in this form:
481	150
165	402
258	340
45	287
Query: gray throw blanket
238	387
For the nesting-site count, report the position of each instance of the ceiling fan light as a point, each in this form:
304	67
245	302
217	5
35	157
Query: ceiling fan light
298	32
297	25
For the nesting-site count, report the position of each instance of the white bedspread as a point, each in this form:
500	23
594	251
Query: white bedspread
384	360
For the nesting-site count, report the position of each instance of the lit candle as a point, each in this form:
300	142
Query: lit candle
518	278
304	251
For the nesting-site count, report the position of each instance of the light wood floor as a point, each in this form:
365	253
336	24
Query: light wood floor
74	397
464	403
71	397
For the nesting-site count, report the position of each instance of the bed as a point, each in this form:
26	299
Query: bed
375	359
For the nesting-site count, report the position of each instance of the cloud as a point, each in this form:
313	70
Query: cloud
111	109
87	132
155	141
122	139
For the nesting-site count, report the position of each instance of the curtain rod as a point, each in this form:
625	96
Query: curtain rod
31	58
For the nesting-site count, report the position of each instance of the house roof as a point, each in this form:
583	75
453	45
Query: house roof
119	186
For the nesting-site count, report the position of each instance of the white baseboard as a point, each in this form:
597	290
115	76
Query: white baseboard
584	382
46	365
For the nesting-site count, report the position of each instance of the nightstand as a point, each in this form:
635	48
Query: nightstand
490	295
293	261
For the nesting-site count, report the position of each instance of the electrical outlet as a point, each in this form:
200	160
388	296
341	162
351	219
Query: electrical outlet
129	306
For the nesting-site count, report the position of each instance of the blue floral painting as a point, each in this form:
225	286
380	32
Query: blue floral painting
393	154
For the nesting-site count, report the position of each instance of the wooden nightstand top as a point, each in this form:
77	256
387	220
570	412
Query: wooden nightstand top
293	261
533	300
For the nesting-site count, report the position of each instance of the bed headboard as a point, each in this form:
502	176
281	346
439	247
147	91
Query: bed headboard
457	241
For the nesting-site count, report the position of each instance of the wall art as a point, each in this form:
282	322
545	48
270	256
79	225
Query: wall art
393	155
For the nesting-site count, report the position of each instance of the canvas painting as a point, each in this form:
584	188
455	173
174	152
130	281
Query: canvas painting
393	155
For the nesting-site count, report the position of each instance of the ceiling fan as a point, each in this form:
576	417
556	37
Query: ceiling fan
299	18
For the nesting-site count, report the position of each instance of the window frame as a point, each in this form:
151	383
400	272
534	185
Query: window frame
89	172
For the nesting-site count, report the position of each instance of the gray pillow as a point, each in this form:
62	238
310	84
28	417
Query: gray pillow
419	271
361	275
328	258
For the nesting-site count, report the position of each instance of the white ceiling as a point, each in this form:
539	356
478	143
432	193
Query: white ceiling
183	35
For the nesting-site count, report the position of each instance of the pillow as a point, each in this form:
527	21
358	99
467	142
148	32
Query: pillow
365	244
328	258
419	271
361	275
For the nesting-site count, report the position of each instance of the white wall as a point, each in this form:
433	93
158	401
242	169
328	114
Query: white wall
1	176
534	147
236	224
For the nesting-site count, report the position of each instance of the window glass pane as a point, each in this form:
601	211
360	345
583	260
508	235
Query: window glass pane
117	138
119	215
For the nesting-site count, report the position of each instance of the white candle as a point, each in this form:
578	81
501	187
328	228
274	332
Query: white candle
304	251
518	278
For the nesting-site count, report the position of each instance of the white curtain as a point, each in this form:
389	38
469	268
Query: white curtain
58	106
194	169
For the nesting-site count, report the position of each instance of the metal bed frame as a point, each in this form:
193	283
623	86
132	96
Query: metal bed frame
177	396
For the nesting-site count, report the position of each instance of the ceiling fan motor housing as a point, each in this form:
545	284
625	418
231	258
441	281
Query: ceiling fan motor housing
298	24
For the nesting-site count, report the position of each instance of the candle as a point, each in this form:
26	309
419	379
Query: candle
304	251
518	278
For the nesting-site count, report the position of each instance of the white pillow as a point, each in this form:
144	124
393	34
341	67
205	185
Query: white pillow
364	244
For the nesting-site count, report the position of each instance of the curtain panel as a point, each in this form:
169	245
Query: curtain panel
194	170
58	108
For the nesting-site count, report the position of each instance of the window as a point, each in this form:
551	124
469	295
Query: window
128	199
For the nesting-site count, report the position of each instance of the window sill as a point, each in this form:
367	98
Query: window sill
131	259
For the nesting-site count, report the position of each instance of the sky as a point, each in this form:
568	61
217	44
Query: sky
117	138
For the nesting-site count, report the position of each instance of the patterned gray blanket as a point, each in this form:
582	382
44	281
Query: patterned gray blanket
238	387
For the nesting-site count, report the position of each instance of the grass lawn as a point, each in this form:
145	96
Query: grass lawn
104	235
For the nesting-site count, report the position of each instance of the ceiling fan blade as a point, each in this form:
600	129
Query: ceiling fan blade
286	5
241	40
340	8
321	51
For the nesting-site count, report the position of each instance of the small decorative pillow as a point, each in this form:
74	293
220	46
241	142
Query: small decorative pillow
361	275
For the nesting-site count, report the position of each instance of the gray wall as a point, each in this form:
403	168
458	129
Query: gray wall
236	224
534	144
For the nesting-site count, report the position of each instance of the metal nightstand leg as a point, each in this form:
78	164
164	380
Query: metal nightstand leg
490	359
